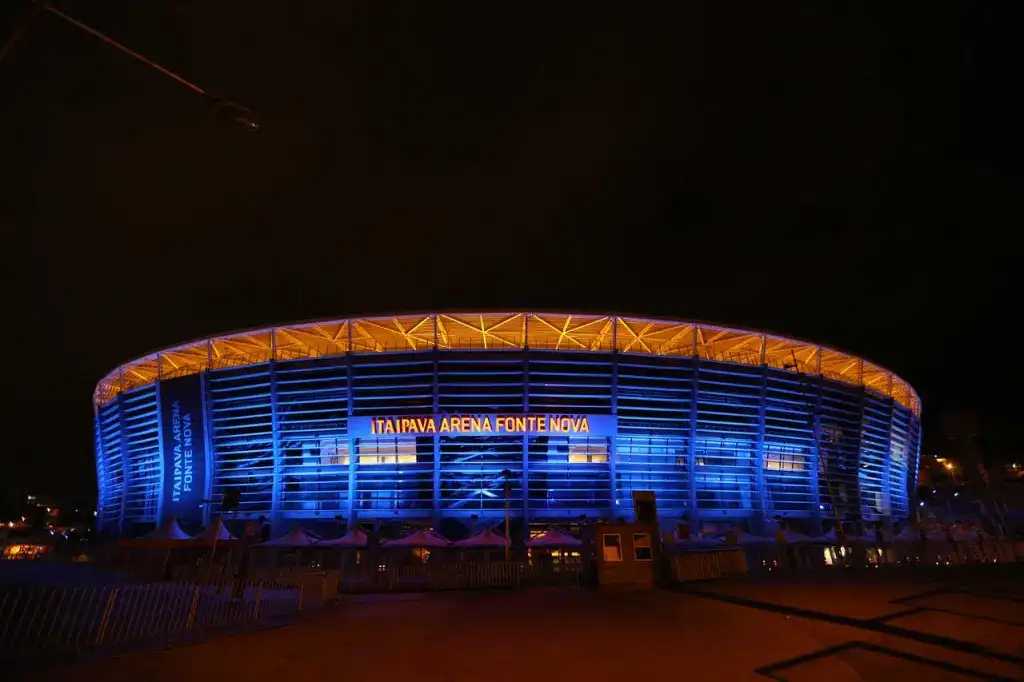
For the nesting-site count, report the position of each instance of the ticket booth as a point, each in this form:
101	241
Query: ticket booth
625	555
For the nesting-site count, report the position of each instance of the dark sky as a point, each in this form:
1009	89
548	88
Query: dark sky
846	174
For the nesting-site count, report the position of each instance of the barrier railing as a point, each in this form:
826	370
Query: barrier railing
704	564
55	621
455	576
374	573
700	565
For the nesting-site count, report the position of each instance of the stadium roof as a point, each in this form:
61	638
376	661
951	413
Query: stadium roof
505	330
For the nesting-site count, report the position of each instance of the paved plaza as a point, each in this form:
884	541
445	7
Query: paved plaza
827	628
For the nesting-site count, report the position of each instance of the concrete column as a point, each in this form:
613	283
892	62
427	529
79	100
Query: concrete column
887	471
101	468
691	454
211	459
275	493
353	456
525	479
817	462
163	459
616	503
126	455
436	508
758	522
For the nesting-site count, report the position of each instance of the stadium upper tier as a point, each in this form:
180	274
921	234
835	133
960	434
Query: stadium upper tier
506	330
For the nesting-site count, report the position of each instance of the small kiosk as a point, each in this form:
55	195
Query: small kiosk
626	555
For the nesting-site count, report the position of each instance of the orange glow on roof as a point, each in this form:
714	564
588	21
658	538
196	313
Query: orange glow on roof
506	330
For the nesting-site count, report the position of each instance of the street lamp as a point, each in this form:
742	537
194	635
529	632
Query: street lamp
223	109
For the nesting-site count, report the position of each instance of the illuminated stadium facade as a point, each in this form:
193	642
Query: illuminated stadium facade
428	417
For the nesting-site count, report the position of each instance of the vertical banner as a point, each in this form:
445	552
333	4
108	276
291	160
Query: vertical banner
184	447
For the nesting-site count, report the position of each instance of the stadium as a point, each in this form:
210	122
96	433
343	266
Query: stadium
556	417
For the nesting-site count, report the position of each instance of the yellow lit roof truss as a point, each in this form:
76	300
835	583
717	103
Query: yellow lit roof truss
508	330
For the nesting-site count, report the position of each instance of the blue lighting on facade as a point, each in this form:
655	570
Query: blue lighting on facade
716	440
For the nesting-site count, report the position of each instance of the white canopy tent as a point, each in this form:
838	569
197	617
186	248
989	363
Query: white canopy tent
791	537
421	539
554	539
746	539
960	534
695	541
870	537
831	537
167	536
297	538
354	539
486	539
169	531
908	534
216	532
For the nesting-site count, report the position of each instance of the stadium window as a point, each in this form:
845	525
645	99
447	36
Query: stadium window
334	452
590	451
294	457
387	450
723	453
780	458
642	546
830	433
721	491
899	454
611	544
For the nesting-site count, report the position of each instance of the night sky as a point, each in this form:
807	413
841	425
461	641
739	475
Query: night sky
845	174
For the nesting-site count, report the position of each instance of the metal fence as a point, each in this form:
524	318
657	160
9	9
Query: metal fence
379	573
68	621
915	555
455	576
809	558
60	621
705	565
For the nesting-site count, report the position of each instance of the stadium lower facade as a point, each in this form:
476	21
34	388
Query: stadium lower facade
427	417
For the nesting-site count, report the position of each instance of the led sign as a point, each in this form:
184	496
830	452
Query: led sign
486	424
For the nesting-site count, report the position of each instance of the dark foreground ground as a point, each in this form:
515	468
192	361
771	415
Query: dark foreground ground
833	629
